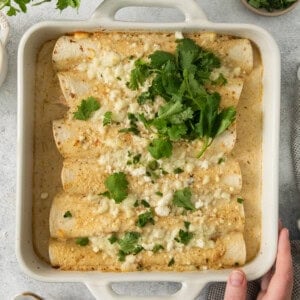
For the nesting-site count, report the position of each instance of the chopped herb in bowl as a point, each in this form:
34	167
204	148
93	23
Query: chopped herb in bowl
270	7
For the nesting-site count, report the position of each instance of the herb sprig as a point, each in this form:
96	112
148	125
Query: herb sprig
191	111
271	5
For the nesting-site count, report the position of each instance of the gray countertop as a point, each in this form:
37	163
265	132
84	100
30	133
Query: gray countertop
285	30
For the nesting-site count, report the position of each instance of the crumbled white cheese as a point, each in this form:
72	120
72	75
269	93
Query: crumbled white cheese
92	197
162	211
138	172
203	164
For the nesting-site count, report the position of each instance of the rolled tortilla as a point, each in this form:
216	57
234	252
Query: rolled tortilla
87	176
76	86
82	139
93	217
228	251
72	50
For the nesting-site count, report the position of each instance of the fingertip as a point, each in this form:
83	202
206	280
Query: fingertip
237	278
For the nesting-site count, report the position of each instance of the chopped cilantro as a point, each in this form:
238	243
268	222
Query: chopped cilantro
187	225
191	111
133	125
184	237
159	148
182	198
157	247
271	5
178	170
159	194
117	186
221	80
171	262
145	203
240	200
129	245
86	108
68	214
113	239
136	203
153	165
82	241
221	160
145	218
107	118
136	159
119	78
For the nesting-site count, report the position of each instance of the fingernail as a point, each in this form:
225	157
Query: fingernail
236	278
287	233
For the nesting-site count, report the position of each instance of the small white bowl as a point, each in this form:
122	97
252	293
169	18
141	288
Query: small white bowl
275	13
4	30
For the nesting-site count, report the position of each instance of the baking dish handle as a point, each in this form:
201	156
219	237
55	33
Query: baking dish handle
104	291
191	10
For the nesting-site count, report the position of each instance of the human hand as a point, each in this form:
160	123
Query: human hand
277	284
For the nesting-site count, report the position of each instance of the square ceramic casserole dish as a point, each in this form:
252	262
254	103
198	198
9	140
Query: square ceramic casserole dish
195	21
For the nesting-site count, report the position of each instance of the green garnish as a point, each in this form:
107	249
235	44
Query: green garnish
145	218
113	239
187	225
68	214
133	125
119	78
117	186
22	5
191	111
136	203
107	118
145	203
129	245
221	80
153	165
271	5
178	171
159	194
105	194
86	108
221	160
82	241
182	198
160	148
240	200
136	159
157	247
184	237
171	262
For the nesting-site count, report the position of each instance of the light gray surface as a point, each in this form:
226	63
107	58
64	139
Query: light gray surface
286	31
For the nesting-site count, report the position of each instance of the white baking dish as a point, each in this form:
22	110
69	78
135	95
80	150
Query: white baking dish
195	20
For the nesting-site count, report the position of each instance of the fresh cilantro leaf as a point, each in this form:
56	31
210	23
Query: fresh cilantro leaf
171	262
153	165
145	218
107	118
184	237
63	4
160	148
117	186
136	159
240	200
86	108
160	58
157	247
145	203
182	198
113	239
271	5
144	97
225	119
221	80
187	225
136	203
83	241
68	214
139	74
159	194
133	125
129	244
178	171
